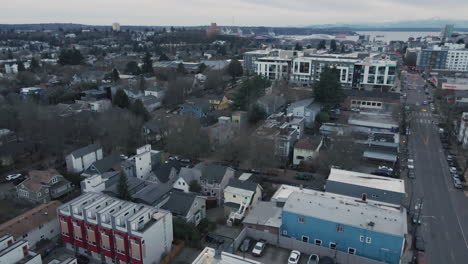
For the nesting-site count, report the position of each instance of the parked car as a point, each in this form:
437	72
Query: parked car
13	176
411	174
410	164
419	243
259	248
457	183
453	170
294	257
313	259
449	157
245	245
420	257
303	176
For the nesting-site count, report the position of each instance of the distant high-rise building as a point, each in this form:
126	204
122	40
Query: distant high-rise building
446	31
212	30
116	26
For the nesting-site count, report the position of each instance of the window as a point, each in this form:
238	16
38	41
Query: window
352	251
39	194
368	240
285	232
234	196
339	228
301	220
25	235
305	239
361	238
318	242
332	245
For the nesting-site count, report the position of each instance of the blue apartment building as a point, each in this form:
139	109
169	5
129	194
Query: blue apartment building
370	229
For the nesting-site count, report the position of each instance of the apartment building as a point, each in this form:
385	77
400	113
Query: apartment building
448	57
115	231
17	252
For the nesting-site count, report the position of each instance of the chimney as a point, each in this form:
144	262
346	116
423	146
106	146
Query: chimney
364	197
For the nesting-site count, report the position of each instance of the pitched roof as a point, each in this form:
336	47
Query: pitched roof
153	193
153	125
308	143
302	103
28	221
190	174
163	171
37	179
179	203
212	172
246	185
104	164
85	150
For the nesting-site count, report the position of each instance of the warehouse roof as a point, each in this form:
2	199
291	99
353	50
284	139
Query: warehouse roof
367	180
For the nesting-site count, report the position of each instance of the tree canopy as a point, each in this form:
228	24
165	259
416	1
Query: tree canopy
321	45
328	89
147	66
297	46
122	188
132	68
70	57
333	45
139	109
121	99
235	68
249	91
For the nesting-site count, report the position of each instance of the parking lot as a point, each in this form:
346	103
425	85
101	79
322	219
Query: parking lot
274	255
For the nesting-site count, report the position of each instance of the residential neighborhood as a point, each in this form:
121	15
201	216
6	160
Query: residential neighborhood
232	144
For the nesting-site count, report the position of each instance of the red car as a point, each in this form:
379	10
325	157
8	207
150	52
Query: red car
420	257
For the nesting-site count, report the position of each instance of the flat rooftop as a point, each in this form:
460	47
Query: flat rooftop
284	191
367	180
370	215
207	256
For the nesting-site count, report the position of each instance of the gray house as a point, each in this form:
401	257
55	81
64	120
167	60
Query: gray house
80	159
189	206
42	186
271	103
365	186
214	178
305	108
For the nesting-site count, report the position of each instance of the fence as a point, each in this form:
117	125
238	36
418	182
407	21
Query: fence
307	248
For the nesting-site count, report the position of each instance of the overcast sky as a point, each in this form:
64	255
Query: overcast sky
226	12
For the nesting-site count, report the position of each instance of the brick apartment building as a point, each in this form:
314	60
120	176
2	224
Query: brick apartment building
115	231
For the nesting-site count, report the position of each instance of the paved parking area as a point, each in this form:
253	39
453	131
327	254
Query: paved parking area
273	255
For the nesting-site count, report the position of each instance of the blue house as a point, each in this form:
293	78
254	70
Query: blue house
197	108
366	228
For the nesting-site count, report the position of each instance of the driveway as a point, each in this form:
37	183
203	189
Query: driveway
273	255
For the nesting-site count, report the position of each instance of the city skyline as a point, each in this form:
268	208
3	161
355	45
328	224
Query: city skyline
236	12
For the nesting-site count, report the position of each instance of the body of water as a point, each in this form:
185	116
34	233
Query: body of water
387	36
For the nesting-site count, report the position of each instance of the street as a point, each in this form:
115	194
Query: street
444	216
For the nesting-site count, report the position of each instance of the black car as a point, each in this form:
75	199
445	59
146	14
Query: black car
245	246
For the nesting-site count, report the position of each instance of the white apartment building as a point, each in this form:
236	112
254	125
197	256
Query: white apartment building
81	159
115	231
273	68
17	252
457	60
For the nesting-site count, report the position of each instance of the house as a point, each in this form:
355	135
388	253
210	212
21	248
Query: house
42	186
214	179
221	132
107	229
240	197
155	91
197	108
366	186
271	103
369	229
363	99
167	171
265	217
134	185
17	252
153	130
34	225
151	103
154	194
186	177
306	149
218	102
109	163
81	159
306	109
239	120
99	182
189	206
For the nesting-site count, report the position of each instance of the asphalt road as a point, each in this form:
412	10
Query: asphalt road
444	215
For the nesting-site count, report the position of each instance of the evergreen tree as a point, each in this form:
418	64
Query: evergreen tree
70	57
343	49
139	110
321	45
122	188
235	69
34	64
333	45
147	66
121	99
298	46
328	89
132	68
181	68
115	75
202	68
195	187
10	55
21	67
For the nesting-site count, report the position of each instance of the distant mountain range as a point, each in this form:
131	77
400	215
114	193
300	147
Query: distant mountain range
433	24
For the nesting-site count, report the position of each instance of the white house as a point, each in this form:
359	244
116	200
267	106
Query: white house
239	197
189	206
80	159
17	252
306	109
34	225
186	176
155	91
306	149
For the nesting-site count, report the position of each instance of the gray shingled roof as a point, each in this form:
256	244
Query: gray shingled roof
153	193
212	172
104	165
190	174
246	185
85	150
179	203
164	170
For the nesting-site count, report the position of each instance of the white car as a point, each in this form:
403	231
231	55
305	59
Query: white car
12	176
410	164
257	251
453	170
313	259
294	257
